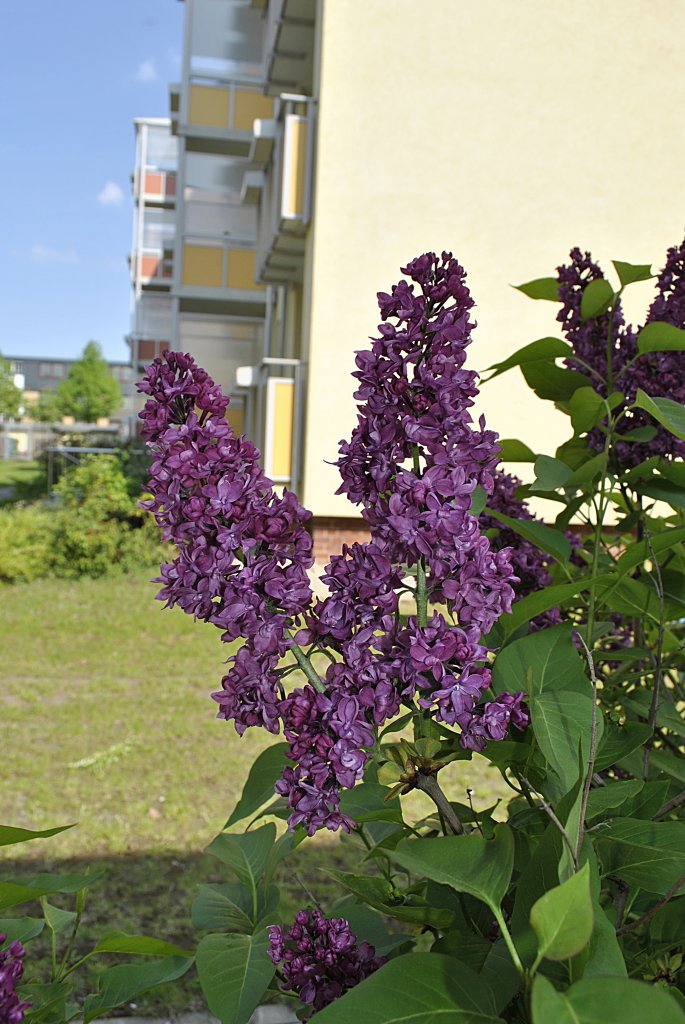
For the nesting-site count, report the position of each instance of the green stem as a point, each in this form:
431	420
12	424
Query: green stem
307	667
506	935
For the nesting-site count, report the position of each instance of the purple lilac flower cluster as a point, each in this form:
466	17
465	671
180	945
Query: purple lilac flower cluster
660	374
12	1009
320	959
413	462
529	562
244	551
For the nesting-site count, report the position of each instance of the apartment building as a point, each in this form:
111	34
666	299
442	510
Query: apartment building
315	146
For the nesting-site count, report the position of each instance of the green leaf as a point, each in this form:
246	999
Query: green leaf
21	929
382	896
471	864
541	288
550	473
641	551
587	409
478	500
516	451
552	383
547	349
230	907
629	273
282	848
367	925
662	490
366	802
562	919
139	944
587	471
48	1002
21	890
628	596
605	801
660	337
419	988
246	855
235	972
649	854
57	920
597	297
561	720
259	787
619	741
604	1001
9	835
665	411
526	608
552	541
122	983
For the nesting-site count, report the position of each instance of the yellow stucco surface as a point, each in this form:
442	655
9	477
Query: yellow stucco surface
505	132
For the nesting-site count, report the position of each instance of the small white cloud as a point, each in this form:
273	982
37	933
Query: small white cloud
110	194
146	71
43	254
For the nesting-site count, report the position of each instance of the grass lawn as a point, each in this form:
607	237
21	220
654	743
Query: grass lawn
26	477
107	721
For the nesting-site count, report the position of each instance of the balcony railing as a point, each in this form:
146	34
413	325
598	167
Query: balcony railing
157	186
152	267
217	116
286	195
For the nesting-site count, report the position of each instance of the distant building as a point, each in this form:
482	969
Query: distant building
315	146
34	375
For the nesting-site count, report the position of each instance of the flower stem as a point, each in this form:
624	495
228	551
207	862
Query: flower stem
307	667
429	784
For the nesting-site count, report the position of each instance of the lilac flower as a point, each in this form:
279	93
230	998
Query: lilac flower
493	721
320	958
659	374
12	1009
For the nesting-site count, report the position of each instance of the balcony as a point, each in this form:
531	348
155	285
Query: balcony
156	187
218	275
288	62
286	193
217	116
152	269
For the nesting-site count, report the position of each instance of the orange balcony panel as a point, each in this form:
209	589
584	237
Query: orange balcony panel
248	106
241	270
151	349
153	184
171	184
149	266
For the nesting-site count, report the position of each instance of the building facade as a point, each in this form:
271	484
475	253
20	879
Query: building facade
321	144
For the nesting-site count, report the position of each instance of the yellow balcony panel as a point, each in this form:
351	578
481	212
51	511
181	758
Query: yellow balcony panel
280	406
241	271
235	414
250	106
202	266
209	106
294	165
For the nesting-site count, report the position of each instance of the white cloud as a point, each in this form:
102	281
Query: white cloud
146	71
110	194
43	254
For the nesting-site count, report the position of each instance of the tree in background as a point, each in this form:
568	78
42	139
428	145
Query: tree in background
10	395
89	391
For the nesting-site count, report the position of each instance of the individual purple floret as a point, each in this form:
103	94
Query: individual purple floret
12	1009
659	374
319	958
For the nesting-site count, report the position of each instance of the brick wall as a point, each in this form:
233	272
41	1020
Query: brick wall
329	533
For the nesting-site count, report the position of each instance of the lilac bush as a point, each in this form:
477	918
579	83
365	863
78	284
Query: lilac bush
413	463
605	348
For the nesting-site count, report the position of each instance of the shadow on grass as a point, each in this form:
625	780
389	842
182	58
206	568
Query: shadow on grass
27	482
151	894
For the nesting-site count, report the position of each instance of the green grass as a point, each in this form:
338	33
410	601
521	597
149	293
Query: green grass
28	478
107	721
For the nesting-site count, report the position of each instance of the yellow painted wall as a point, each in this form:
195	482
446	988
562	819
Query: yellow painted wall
208	106
507	132
280	444
235	414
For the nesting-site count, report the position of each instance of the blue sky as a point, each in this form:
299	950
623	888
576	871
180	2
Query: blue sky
75	76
